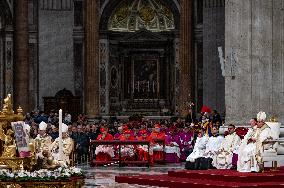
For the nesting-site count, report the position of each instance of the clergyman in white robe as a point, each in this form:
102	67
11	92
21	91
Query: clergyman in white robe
212	147
247	150
199	148
263	134
251	158
225	153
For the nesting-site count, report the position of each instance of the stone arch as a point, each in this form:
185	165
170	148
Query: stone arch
5	13
111	5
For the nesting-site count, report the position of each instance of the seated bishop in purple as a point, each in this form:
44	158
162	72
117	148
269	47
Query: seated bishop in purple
172	150
185	137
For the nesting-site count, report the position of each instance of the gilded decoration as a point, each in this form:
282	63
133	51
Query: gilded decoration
133	15
16	170
147	14
8	159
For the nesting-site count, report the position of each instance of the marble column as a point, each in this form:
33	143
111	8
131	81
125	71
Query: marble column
92	78
185	85
21	65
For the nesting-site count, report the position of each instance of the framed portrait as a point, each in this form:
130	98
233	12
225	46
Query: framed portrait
21	136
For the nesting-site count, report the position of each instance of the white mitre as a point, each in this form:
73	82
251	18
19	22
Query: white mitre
42	126
64	128
261	116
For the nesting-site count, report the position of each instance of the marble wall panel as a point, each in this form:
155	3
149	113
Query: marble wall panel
56	70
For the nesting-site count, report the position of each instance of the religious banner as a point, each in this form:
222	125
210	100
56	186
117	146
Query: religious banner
21	137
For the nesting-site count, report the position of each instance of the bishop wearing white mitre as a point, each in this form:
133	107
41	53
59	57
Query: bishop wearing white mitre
263	133
42	141
68	145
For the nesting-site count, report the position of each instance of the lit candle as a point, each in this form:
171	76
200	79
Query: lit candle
60	136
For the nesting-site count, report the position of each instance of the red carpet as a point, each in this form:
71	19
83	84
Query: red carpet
208	178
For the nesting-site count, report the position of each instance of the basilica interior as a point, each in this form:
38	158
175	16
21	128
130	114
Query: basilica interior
158	60
113	58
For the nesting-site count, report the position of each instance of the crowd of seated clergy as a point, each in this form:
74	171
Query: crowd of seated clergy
232	152
196	141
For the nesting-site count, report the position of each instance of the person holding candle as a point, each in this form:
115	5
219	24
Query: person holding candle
68	145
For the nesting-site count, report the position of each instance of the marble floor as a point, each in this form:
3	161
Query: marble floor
105	176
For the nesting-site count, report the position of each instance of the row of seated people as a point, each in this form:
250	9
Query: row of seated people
168	145
230	152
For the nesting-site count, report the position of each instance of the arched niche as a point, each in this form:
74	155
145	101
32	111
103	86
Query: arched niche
113	5
5	14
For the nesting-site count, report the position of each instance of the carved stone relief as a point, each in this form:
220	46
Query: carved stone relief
104	76
9	65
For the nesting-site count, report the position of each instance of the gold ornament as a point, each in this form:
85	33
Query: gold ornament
147	14
8	159
121	14
273	119
10	145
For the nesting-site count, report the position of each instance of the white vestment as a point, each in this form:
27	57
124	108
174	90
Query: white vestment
105	149
246	153
262	134
127	151
225	154
68	146
199	149
173	149
212	147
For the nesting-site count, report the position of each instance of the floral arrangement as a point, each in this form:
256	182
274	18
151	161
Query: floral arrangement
42	175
